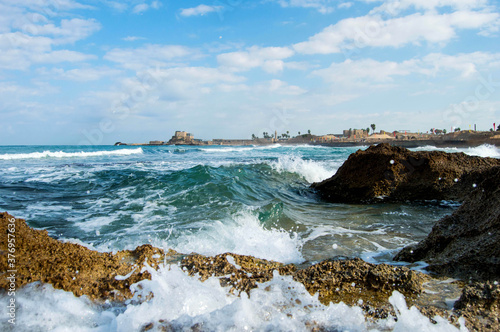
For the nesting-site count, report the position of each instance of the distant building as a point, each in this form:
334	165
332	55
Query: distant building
327	138
156	142
355	133
383	136
182	137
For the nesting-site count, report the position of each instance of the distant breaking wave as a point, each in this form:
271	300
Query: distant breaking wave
485	150
60	154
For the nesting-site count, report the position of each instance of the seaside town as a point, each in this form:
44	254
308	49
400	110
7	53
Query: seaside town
349	137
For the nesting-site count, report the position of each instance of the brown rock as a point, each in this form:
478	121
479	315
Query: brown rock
356	282
398	174
242	276
480	306
467	243
68	266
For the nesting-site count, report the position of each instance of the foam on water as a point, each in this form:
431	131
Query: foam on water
242	235
61	154
181	302
310	170
485	150
239	148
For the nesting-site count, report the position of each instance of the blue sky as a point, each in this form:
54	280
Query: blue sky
98	72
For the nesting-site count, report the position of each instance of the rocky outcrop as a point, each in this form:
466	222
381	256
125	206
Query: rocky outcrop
465	244
352	281
388	173
479	304
356	282
107	276
102	276
71	267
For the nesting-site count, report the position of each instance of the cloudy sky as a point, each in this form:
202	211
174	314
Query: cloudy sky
97	72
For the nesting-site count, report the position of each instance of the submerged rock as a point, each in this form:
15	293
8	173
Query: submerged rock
398	174
465	244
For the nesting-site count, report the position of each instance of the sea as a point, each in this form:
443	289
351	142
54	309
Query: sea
248	200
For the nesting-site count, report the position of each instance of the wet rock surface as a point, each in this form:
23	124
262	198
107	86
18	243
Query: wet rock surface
71	267
240	273
107	276
356	282
480	305
466	244
398	174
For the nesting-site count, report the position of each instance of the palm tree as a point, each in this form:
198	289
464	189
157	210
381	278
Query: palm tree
309	131
373	127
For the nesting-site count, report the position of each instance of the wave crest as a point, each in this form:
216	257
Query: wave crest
61	154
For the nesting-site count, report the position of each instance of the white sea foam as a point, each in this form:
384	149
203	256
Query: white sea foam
226	149
485	150
310	170
61	154
242	235
182	302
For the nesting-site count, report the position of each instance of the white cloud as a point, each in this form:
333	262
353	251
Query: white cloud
61	56
345	5
372	73
283	88
132	38
365	71
69	31
467	64
19	51
150	55
79	74
374	31
156	4
140	8
322	6
200	10
269	58
395	7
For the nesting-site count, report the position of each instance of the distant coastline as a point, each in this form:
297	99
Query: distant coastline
457	139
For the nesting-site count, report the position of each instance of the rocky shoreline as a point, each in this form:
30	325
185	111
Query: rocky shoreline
465	245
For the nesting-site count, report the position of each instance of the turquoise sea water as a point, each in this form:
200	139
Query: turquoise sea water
210	200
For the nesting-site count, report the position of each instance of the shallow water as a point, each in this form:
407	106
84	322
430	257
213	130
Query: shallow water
209	200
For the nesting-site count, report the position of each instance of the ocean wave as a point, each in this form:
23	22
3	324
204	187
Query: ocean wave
485	150
61	154
225	149
243	235
310	170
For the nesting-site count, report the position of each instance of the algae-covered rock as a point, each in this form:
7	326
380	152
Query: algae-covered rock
68	266
480	305
356	282
239	272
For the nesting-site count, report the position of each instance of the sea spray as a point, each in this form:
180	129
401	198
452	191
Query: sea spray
244	235
174	300
310	170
